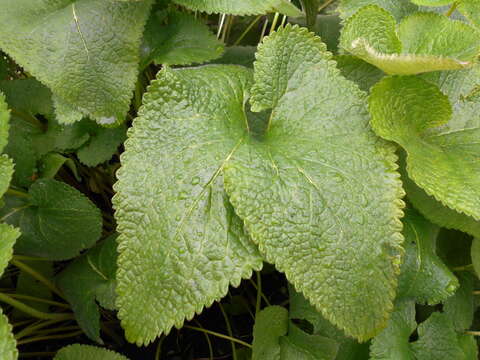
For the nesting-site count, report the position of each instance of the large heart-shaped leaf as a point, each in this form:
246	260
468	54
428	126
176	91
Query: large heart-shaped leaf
292	177
442	151
85	51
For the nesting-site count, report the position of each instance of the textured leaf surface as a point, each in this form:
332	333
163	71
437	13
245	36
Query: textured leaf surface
441	154
471	10
241	7
393	341
434	210
8	236
8	345
181	244
424	276
4	122
301	190
424	42
56	221
270	324
184	40
6	172
86	52
399	8
89	279
432	2
86	352
360	72
460	307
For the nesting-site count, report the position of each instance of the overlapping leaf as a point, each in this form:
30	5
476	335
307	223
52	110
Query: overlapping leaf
399	8
471	10
86	52
284	183
423	42
89	279
56	220
441	151
241	7
86	352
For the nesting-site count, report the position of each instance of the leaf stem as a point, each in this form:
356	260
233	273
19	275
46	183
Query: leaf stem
45	301
246	31
258	304
229	330
474	333
36	275
50	337
325	4
243	343
463	268
34	312
207	338
18	193
452	9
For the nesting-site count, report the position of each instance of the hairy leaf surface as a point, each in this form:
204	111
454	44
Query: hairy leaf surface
8	345
85	51
471	10
86	352
241	7
423	42
56	220
181	244
399	8
442	152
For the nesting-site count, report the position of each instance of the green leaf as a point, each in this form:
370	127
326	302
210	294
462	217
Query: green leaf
433	210
440	159
241	7
238	55
471	10
393	341
327	27
6	172
424	42
437	340
270	324
432	2
359	71
56	221
8	345
460	307
424	276
475	253
398	8
8	236
51	164
310	7
89	279
184	40
181	244
86	352
70	46
4	122
285	185
299	345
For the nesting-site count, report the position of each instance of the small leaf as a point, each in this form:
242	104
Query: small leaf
6	172
86	352
185	40
241	7
4	122
475	253
56	221
441	153
40	34
398	8
89	279
8	236
424	276
8	345
424	42
270	324
460	307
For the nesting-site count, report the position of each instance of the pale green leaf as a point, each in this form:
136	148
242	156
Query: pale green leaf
423	42
86	52
460	307
4	122
442	154
471	10
89	279
437	340
424	278
270	324
87	352
8	345
56	220
360	72
184	40
242	7
8	236
393	342
6	172
301	190
181	244
398	8
434	210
